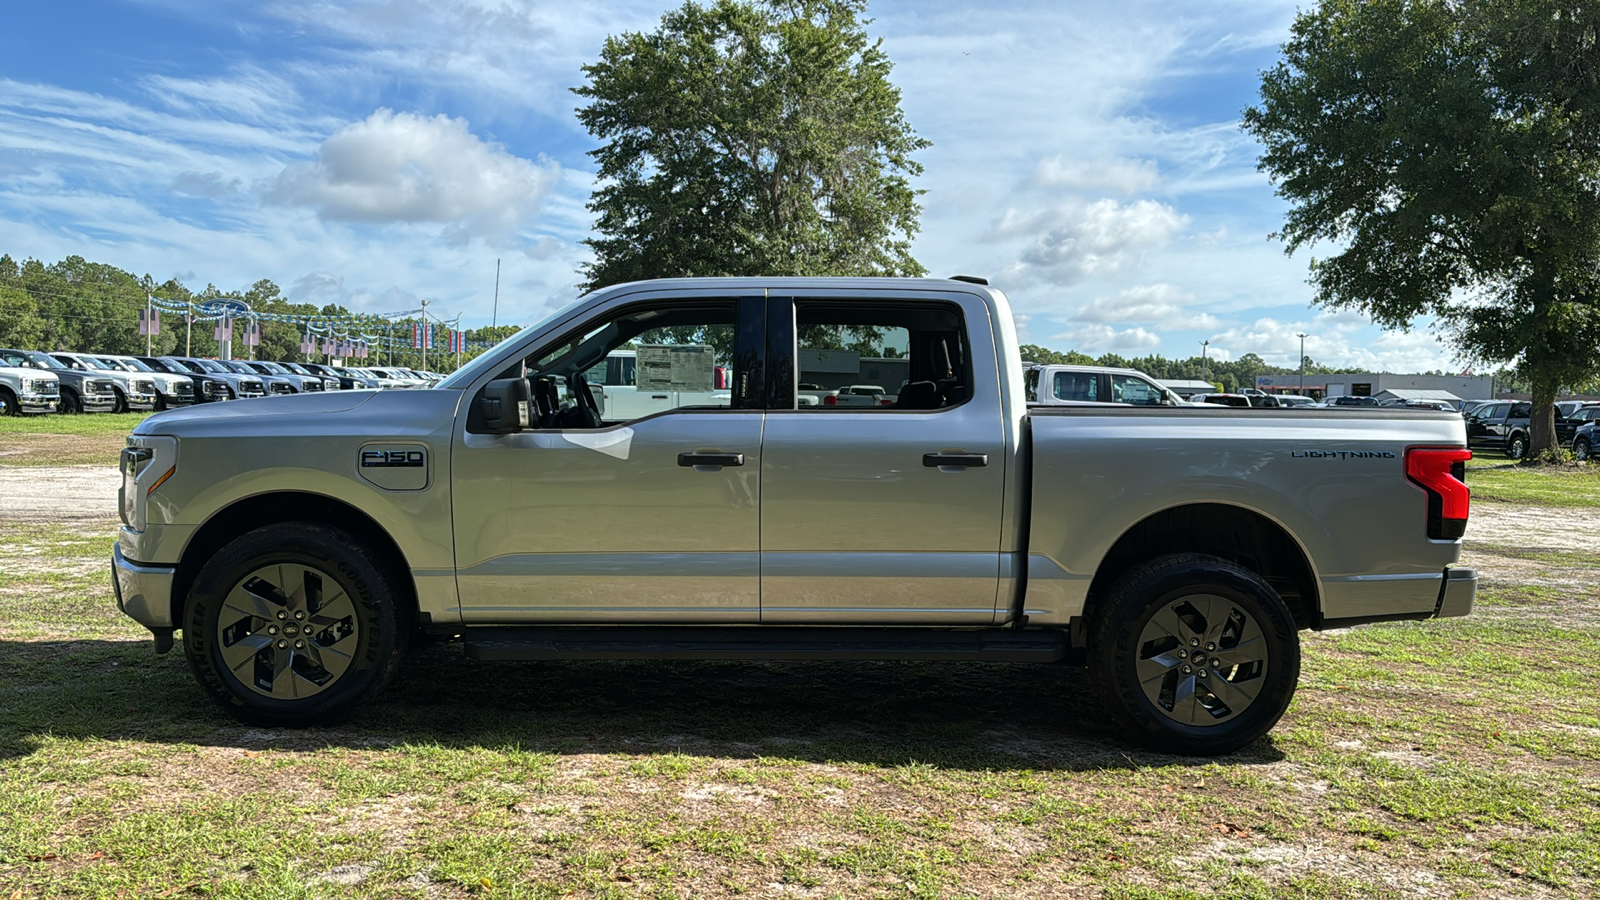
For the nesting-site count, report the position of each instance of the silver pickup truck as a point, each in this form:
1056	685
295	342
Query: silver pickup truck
1176	552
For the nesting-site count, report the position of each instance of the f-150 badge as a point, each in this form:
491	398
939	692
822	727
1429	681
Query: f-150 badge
393	459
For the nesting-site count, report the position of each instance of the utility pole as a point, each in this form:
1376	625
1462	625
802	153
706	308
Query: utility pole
1302	336
188	328
495	319
1205	361
149	323
424	335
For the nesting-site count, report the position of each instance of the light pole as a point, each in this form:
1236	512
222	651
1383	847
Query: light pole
1302	336
1205	361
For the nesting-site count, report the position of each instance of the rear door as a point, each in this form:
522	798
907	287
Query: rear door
874	514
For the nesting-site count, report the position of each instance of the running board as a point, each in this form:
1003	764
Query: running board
773	642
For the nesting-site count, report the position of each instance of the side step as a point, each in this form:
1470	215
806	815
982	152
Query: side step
757	642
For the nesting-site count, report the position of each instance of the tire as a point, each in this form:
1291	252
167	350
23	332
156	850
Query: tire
1142	627
161	401
240	603
121	406
8	403
1517	447
69	402
1580	448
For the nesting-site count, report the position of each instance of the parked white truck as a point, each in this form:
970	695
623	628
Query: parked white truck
1177	552
25	390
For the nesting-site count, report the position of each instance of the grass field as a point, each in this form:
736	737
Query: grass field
1458	758
61	440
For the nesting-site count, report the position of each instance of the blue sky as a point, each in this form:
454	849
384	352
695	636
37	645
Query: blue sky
1086	158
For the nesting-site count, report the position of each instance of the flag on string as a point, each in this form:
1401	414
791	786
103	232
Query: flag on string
224	332
149	321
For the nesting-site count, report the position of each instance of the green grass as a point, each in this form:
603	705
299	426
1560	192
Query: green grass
1456	757
86	424
1540	485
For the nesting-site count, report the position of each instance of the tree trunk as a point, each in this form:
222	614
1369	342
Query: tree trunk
1542	424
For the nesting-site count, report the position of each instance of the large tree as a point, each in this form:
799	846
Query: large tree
1451	148
745	138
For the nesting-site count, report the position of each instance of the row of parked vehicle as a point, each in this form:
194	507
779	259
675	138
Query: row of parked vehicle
32	381
1505	425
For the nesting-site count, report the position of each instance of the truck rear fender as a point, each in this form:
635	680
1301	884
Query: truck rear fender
1235	533
260	510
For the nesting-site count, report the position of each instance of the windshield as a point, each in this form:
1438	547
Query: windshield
113	364
463	376
43	360
274	368
135	365
292	367
211	365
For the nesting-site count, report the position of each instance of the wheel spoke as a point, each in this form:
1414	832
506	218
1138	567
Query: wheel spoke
1172	624
333	611
1244	653
1157	666
237	655
1232	694
256	597
1185	705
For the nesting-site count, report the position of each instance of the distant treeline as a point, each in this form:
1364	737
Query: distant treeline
93	307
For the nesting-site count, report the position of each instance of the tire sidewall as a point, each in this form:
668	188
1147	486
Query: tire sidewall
1120	623
1581	450
338	556
1518	447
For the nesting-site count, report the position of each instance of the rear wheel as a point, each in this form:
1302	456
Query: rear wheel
1517	448
1194	654
293	624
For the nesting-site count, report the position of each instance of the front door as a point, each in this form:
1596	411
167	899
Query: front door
886	514
651	519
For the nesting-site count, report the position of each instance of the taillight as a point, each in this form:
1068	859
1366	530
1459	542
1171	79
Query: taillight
885	402
1442	472
830	400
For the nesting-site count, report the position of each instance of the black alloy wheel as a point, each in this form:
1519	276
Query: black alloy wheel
293	624
1193	654
8	403
68	402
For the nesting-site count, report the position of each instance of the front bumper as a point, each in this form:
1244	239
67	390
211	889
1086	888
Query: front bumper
98	402
178	399
144	592
141	401
38	403
1460	589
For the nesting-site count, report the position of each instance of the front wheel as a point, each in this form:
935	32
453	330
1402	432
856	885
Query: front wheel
68	402
293	624
1193	654
1580	449
8	403
121	406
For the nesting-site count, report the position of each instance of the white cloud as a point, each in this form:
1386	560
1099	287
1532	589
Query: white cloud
1097	339
1079	240
401	167
1123	176
1157	304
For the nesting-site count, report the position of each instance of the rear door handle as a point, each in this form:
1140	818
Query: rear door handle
961	460
711	459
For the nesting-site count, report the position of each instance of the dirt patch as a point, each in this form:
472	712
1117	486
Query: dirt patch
1508	525
61	449
58	493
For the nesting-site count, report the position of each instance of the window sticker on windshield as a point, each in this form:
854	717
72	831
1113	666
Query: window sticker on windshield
669	367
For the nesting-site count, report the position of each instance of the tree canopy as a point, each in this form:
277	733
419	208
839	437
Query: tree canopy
1450	148
745	138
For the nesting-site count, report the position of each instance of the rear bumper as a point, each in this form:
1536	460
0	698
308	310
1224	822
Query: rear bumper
144	592
1460	589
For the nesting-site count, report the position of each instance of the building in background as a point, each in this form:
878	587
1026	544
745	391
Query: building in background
1466	387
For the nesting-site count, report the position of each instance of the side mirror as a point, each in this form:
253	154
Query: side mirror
505	405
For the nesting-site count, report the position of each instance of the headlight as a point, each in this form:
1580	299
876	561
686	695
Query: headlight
146	463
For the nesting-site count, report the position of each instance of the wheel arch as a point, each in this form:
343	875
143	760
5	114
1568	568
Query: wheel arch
1239	534
249	513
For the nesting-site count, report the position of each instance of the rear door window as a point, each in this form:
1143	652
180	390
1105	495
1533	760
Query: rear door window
1079	386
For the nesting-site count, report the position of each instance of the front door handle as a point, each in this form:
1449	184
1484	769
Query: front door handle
711	459
961	460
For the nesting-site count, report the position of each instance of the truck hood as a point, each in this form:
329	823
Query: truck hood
380	412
